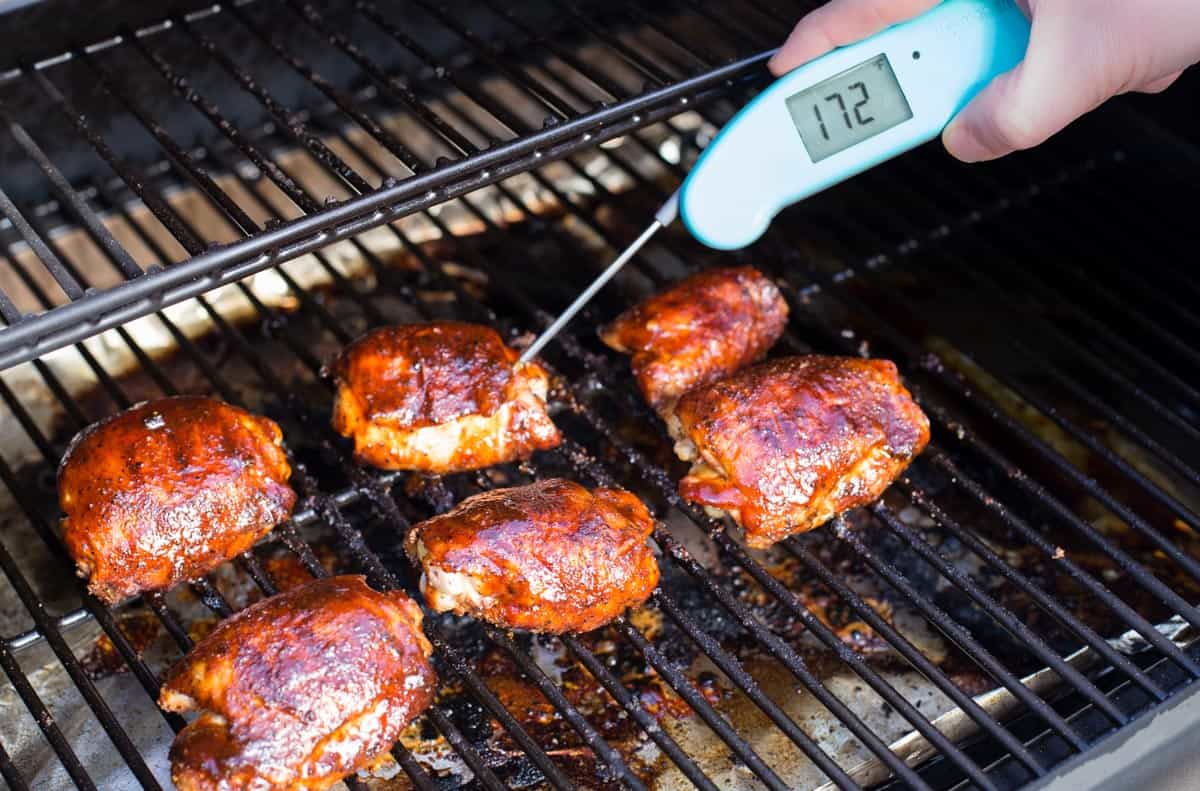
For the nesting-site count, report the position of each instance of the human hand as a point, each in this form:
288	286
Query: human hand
1081	53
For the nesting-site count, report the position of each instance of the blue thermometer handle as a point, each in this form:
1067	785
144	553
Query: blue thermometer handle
777	150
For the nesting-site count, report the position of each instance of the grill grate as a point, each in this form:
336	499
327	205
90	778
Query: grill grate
989	482
452	161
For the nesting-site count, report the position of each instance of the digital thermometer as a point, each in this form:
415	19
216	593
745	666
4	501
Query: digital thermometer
847	112
832	119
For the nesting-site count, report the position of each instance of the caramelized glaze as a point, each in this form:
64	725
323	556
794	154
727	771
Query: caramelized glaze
701	329
786	445
549	557
166	491
299	690
440	397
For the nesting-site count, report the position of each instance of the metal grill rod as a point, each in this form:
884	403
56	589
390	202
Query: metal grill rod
881	744
222	608
945	375
1021	480
1051	412
482	217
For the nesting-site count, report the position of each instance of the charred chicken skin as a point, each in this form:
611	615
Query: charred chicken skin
439	398
548	557
786	445
299	690
702	329
168	490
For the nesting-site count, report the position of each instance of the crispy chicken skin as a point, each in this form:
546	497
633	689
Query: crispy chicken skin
440	397
168	490
701	329
786	445
548	557
299	690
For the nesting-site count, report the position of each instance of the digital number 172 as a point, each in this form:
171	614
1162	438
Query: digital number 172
836	98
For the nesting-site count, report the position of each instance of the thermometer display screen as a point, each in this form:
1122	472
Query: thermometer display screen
848	108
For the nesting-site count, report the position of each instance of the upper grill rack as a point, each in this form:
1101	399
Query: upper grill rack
983	234
470	112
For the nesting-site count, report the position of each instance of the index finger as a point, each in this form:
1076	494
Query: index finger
838	23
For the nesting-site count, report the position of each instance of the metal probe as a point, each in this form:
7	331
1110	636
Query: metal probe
665	215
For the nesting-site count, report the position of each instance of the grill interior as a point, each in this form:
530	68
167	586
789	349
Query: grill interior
1022	593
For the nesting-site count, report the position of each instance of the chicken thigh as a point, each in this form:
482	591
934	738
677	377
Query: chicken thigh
299	690
548	557
440	397
786	445
701	329
168	490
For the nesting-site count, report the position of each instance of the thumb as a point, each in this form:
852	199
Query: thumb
1020	109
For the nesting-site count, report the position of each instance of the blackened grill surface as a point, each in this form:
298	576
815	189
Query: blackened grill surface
1055	507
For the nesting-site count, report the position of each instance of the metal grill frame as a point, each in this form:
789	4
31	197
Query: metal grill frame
1054	731
208	266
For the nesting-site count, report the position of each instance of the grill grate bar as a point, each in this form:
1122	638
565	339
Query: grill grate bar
287	120
108	721
1002	615
343	101
573	716
8	770
931	364
496	110
393	87
1089	439
1056	610
487	221
645	721
184	89
62	277
1037	280
1105	371
1051	412
1093	693
918	660
263	370
713	719
533	87
45	721
130	174
823	701
69	197
734	670
1033	282
1019	478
